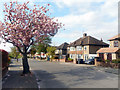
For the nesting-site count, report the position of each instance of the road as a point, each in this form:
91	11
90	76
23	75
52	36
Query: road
65	75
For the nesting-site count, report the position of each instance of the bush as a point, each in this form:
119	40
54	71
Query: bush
28	56
9	60
70	59
116	61
106	61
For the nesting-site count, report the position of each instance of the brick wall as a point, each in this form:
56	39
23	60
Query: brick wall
109	64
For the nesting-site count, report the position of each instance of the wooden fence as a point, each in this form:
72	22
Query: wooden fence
4	61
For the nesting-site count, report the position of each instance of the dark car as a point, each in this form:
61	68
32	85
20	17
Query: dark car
90	61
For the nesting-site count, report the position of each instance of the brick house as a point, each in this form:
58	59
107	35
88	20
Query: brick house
61	51
113	52
85	47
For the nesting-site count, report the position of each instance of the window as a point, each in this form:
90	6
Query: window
115	43
57	52
79	48
70	55
85	48
79	56
72	49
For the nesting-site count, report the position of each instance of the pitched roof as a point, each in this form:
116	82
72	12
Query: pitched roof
115	37
108	50
88	40
63	46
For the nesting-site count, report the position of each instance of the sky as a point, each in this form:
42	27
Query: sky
97	18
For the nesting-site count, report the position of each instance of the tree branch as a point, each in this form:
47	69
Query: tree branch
16	46
19	50
30	44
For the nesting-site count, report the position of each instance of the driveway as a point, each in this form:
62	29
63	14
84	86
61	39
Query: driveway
67	75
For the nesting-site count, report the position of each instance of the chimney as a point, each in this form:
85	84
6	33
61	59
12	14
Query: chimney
101	40
85	34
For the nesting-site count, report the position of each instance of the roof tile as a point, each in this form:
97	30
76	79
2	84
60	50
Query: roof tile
108	50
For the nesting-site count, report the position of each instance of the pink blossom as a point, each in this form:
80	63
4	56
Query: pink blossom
22	24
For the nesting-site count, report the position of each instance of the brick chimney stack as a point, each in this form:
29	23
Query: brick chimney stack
85	34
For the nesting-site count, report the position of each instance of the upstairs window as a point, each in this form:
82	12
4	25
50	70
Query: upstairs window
85	48
115	43
72	48
79	48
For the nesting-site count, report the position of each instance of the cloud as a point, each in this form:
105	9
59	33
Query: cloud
98	22
5	46
96	17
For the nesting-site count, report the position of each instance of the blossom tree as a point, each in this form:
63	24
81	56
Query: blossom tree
24	26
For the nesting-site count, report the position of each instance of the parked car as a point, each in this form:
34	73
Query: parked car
90	61
80	61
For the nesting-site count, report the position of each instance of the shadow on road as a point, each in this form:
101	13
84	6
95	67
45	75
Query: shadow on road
84	74
48	80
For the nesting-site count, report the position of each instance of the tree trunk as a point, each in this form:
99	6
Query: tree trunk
25	64
17	59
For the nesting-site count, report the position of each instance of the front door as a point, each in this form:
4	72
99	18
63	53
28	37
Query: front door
109	56
86	57
101	55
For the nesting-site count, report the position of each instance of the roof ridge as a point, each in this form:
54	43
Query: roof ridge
98	40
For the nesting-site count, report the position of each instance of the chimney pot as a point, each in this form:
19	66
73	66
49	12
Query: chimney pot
101	39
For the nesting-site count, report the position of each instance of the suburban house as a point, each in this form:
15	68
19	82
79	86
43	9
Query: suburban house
85	47
113	52
61	51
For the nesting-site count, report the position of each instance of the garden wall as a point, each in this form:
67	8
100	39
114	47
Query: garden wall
107	64
61	60
4	62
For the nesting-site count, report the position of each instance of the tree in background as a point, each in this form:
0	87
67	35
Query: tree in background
23	26
42	47
51	52
47	41
32	51
14	53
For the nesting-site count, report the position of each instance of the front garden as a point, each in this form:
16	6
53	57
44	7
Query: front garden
107	63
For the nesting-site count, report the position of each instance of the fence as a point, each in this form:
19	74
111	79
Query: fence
4	61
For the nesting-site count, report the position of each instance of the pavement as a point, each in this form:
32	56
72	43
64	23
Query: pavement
14	80
59	75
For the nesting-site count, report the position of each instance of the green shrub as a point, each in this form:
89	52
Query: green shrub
107	61
28	56
116	61
70	59
19	56
9	60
